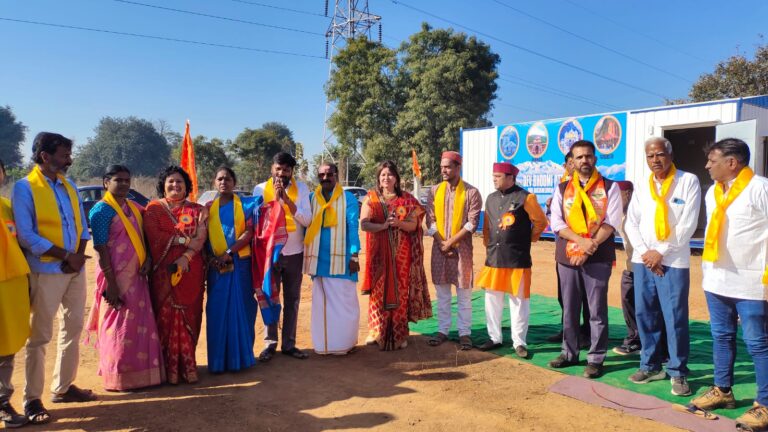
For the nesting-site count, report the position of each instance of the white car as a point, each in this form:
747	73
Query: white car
211	195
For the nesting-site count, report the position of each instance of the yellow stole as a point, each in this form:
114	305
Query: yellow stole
13	264
458	208
137	239
592	193
49	224
661	219
565	177
216	230
326	208
293	194
712	238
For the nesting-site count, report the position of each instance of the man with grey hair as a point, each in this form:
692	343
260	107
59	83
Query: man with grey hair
661	219
735	275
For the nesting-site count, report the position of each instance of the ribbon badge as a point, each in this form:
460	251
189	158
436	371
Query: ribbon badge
184	221
401	212
507	220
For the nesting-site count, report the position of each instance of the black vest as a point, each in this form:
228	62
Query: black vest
606	252
510	247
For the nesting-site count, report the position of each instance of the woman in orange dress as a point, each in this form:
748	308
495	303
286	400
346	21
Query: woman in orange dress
394	260
176	231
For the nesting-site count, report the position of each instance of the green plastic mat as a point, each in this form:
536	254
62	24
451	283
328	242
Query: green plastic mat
545	321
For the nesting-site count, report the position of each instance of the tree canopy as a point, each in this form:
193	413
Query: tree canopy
388	102
130	141
12	134
737	76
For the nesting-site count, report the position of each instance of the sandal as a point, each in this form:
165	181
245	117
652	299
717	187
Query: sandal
437	339
74	394
465	343
36	412
267	354
295	353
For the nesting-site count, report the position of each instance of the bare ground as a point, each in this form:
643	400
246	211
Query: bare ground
419	388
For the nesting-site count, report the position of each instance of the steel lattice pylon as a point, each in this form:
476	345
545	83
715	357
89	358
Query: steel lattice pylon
351	18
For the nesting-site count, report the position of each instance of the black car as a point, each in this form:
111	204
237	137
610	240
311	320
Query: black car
93	194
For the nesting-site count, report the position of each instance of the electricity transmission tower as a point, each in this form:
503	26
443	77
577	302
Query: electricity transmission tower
351	18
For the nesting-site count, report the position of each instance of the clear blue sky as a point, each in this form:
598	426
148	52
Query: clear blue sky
65	80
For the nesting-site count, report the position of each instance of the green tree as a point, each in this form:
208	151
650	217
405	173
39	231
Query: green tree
736	77
130	141
209	155
12	134
450	83
254	149
284	135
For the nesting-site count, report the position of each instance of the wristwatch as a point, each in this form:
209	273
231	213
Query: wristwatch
230	253
182	240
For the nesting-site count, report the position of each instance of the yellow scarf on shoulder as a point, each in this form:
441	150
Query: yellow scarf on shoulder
137	239
13	264
661	218
49	225
216	230
458	208
325	215
575	217
711	240
293	194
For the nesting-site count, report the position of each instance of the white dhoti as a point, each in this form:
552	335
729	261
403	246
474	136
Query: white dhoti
335	315
519	311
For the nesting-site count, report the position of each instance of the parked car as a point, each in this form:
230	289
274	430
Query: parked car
424	194
358	192
93	194
211	195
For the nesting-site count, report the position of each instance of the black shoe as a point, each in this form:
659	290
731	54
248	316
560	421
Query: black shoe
593	370
627	349
267	354
555	337
489	345
561	362
9	416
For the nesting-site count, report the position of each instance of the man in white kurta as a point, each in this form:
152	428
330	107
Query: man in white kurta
331	246
661	220
735	275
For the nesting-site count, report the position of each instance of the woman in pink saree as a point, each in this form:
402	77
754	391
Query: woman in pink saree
122	318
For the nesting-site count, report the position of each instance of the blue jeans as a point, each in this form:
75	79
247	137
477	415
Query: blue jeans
663	301
723	313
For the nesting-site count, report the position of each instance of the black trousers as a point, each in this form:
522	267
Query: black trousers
584	327
289	275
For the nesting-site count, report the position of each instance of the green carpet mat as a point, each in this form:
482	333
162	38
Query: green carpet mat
545	321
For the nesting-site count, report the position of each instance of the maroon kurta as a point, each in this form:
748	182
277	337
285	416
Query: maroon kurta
456	269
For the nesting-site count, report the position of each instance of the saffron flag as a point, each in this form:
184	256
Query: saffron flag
416	168
188	162
268	241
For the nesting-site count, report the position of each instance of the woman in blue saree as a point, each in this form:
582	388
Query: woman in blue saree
231	306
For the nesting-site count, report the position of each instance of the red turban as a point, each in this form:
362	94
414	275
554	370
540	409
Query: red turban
506	168
452	155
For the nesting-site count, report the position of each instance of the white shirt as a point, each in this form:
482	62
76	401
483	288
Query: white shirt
743	244
684	201
303	217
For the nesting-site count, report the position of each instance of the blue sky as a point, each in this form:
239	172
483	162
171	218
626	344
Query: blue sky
65	80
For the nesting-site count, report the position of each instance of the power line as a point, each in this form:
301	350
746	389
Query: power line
624	27
279	8
532	52
525	109
218	17
597	44
557	92
187	41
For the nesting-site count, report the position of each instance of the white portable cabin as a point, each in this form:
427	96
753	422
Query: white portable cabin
689	127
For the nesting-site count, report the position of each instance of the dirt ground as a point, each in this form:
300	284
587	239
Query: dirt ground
419	388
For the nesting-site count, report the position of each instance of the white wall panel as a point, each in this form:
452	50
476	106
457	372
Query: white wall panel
478	148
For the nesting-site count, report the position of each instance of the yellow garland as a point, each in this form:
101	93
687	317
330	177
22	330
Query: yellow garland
326	208
137	239
293	194
661	218
711	246
458	208
49	224
216	230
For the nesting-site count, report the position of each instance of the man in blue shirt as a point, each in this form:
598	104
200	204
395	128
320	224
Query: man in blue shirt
52	231
331	246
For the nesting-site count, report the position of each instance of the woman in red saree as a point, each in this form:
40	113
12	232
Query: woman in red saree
394	261
176	231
